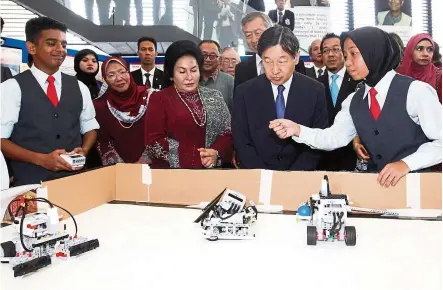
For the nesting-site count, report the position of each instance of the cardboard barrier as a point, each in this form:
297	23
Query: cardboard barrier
123	182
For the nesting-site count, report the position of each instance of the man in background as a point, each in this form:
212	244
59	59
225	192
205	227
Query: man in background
213	78
282	16
318	69
338	86
253	25
229	60
148	74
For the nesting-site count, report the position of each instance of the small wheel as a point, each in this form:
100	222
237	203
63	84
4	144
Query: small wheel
212	238
312	235
350	236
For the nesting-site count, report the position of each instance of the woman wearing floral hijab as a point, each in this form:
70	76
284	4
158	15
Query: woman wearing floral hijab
121	113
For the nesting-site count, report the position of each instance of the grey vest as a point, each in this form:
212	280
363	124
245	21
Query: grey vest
394	135
43	128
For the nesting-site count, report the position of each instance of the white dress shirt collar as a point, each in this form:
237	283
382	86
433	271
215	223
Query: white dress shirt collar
287	86
317	68
341	76
42	77
282	11
340	73
258	64
151	72
382	88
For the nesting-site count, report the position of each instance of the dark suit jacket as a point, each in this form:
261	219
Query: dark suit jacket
310	72
287	17
158	82
258	5
256	145
342	158
245	71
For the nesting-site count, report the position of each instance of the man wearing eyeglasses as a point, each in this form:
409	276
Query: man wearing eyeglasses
395	15
212	77
338	85
229	59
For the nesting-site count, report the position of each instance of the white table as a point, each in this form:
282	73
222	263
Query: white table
145	247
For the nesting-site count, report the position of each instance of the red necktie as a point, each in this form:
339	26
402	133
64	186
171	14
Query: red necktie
51	92
375	106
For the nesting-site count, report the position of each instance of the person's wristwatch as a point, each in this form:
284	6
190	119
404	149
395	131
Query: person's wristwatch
218	161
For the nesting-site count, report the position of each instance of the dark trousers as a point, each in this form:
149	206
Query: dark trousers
166	19
208	17
139	11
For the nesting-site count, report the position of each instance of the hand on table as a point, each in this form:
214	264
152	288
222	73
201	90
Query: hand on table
392	173
208	157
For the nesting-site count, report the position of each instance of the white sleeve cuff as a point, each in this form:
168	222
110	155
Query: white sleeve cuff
89	125
6	131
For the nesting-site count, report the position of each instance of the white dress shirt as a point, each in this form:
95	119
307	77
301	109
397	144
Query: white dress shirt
341	76
317	68
259	65
423	108
151	75
11	96
287	86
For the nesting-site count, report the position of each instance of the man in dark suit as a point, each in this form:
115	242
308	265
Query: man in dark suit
318	69
253	25
282	16
148	74
338	85
280	92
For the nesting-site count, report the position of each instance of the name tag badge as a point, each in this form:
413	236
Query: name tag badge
287	22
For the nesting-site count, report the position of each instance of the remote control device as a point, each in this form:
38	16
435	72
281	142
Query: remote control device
74	159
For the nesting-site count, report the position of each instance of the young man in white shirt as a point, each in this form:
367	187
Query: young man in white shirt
397	118
44	112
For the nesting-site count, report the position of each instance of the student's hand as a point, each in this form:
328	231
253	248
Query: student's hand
80	150
285	128
53	162
392	173
360	150
208	157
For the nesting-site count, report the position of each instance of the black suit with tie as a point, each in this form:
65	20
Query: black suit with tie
343	158
310	72
288	19
254	107
158	80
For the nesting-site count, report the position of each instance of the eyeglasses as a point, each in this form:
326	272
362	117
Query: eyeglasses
113	76
395	1
211	56
334	50
230	61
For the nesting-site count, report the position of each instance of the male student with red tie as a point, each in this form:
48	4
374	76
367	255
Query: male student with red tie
397	118
45	113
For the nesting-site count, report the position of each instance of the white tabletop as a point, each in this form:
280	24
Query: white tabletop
161	248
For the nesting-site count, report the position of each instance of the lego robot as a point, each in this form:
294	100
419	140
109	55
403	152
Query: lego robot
228	217
40	237
328	217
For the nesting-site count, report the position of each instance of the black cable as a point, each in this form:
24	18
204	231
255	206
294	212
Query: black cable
21	228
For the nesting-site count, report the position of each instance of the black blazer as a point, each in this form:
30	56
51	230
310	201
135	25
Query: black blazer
256	145
288	18
245	71
343	158
310	72
158	82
